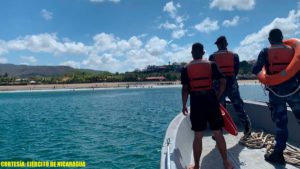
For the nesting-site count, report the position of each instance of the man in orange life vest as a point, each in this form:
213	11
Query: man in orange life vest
275	59
196	80
228	63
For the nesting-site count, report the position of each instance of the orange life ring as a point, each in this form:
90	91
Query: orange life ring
291	70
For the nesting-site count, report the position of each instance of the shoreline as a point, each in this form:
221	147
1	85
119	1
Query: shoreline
103	85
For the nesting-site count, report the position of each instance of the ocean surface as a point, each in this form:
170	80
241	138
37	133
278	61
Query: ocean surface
108	129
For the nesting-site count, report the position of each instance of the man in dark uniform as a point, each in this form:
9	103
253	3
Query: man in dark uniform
275	59
196	79
228	62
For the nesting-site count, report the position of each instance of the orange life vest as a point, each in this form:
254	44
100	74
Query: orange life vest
279	57
225	60
200	75
289	72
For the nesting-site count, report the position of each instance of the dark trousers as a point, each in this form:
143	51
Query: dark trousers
279	116
232	92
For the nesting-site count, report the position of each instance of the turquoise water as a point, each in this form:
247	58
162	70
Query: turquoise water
121	128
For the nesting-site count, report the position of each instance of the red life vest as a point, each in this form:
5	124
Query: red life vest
279	57
200	75
225	60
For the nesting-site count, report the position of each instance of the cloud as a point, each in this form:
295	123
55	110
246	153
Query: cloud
207	25
71	63
288	26
100	1
178	34
102	62
47	15
107	51
28	60
142	58
253	43
119	54
168	26
230	5
109	43
177	26
48	43
179	53
3	60
156	46
233	22
171	8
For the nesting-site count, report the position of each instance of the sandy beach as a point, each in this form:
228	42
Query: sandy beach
103	85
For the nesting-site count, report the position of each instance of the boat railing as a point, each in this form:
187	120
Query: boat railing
168	154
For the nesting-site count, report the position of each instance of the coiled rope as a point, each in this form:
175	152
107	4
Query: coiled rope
260	139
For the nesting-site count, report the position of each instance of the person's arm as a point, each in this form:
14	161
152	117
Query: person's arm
210	58
222	88
217	75
184	90
236	64
261	61
185	95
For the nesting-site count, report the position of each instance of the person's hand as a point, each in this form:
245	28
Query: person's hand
219	96
185	110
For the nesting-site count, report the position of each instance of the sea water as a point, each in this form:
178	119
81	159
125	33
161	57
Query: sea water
109	129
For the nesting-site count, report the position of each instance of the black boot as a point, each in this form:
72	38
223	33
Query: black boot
247	129
275	157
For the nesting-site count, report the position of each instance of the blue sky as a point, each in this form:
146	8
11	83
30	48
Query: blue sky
124	35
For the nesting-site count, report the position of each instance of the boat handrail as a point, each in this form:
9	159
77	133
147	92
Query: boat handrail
168	154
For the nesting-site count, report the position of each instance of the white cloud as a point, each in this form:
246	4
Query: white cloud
28	60
100	1
120	54
171	8
45	43
249	52
288	26
253	43
3	60
156	46
47	15
107	52
207	25
3	47
177	26
71	63
142	58
233	22
109	43
104	62
230	5
168	26
178	34
179	53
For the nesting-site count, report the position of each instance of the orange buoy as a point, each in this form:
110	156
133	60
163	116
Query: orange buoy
290	71
229	124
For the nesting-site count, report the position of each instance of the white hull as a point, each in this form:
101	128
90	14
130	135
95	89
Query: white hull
181	137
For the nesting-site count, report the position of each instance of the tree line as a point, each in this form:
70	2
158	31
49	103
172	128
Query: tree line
170	72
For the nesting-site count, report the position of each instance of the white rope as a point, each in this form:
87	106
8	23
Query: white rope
258	140
286	95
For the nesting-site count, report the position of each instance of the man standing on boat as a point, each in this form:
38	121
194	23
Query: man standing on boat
196	80
275	59
228	63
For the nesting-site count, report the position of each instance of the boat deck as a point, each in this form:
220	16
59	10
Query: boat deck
177	152
240	156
